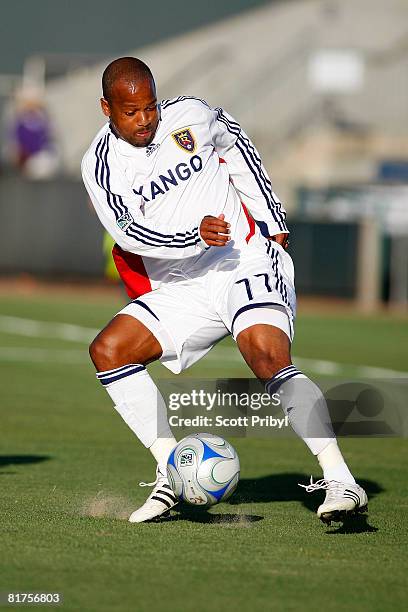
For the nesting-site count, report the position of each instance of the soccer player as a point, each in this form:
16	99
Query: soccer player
178	186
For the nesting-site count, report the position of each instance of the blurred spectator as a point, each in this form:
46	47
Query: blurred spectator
33	149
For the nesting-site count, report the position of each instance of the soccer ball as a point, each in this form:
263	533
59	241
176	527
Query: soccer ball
203	469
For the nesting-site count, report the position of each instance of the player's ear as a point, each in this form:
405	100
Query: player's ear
105	107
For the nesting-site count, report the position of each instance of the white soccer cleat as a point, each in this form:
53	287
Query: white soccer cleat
342	499
159	502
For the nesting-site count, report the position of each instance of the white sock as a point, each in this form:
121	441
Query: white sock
304	404
142	407
333	465
161	449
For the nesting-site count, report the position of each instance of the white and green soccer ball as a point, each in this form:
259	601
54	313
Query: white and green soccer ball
203	469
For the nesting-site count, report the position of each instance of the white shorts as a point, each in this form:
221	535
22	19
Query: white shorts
190	316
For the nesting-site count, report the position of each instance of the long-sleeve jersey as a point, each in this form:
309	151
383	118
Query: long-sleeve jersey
152	199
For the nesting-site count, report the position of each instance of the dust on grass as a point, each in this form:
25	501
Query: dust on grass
106	505
239	520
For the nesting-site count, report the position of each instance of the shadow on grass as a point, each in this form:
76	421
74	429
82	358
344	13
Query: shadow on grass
356	524
275	488
201	515
7	460
285	488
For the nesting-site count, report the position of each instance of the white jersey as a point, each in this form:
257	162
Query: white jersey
152	199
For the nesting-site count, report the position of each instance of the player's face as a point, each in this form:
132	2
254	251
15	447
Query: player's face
133	111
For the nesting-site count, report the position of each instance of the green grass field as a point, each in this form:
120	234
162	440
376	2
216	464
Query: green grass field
69	472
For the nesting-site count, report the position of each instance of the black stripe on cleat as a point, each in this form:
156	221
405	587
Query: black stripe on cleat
170	496
163	501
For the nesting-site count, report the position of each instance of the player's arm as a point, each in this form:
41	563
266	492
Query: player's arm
120	214
249	175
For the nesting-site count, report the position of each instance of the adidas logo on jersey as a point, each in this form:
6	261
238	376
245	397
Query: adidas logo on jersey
181	172
151	148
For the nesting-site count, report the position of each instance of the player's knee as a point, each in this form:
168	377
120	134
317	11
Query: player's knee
118	345
106	351
265	354
266	364
112	349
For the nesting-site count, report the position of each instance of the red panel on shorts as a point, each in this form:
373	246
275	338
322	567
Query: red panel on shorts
132	272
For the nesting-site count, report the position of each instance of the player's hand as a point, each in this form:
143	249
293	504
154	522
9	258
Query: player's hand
215	230
281	239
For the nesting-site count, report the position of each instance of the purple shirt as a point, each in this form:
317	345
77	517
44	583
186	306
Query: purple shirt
32	132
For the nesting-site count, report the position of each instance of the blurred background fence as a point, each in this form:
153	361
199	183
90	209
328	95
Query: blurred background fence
320	85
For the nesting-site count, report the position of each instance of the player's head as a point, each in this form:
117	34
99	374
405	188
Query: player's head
129	100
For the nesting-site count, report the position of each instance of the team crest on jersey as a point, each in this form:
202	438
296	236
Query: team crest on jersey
185	140
124	221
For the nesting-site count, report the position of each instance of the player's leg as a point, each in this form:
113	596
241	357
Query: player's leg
261	304
266	349
123	340
172	324
120	353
